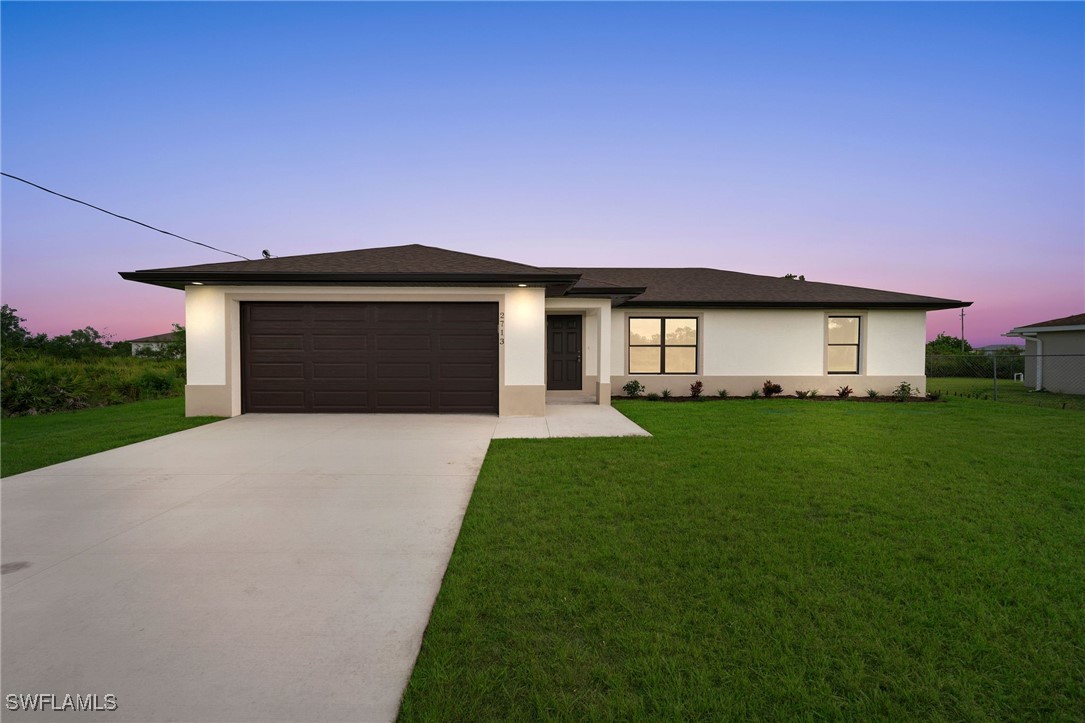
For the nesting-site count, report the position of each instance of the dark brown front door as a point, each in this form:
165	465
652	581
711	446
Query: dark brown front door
362	357
563	347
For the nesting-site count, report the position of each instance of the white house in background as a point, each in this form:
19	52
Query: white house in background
1055	354
422	329
152	343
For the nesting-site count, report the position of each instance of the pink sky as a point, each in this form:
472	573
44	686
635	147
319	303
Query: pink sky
929	148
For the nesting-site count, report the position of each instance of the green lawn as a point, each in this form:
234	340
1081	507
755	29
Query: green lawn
1008	391
773	559
28	443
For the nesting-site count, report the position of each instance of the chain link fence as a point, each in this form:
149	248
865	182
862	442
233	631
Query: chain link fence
1045	380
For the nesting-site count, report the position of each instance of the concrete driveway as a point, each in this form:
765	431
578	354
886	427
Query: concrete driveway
262	568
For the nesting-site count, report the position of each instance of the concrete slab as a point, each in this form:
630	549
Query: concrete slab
263	568
570	420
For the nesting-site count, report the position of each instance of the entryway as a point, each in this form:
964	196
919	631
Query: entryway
564	352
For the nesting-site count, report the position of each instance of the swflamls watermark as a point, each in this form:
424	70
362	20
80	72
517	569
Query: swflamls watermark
57	703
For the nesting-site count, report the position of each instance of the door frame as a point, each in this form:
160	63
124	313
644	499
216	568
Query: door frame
546	351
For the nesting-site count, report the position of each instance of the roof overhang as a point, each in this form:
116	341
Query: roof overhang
555	283
1034	330
933	305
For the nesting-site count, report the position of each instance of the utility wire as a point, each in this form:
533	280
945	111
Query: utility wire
140	223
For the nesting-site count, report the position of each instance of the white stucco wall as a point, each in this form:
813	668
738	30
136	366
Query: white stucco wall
787	342
525	336
206	334
896	343
212	320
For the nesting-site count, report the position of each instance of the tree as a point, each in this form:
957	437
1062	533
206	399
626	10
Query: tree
945	344
14	336
12	333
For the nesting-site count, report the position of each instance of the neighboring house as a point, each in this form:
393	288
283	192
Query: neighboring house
995	349
422	329
155	342
1055	354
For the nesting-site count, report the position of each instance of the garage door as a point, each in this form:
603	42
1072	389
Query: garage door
381	357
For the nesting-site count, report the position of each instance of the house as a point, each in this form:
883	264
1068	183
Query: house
421	329
154	342
1054	354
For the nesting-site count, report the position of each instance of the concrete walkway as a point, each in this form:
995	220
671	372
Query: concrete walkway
263	568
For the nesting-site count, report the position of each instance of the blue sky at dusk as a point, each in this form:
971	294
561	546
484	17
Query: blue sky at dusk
931	148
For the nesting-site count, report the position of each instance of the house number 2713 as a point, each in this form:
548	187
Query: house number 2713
501	328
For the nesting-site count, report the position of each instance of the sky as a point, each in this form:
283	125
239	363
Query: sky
929	148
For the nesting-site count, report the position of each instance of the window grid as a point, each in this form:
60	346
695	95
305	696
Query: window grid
663	345
854	345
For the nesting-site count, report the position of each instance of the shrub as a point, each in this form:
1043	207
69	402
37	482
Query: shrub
872	393
934	395
844	392
722	394
652	397
903	391
769	388
41	384
666	394
755	394
800	394
696	388
633	389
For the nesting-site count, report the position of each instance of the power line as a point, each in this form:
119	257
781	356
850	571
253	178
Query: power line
140	223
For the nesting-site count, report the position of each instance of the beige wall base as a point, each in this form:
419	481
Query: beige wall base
523	400
207	400
742	386
603	390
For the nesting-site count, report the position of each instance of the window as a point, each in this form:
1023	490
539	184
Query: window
659	345
843	339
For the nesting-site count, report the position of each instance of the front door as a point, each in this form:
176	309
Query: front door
563	344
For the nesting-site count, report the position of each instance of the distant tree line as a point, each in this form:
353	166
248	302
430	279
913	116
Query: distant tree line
944	345
86	343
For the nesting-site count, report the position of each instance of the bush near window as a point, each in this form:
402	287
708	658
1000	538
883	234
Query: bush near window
844	392
666	394
696	388
722	394
633	388
872	392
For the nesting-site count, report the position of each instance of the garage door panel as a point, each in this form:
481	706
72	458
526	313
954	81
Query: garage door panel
271	370
285	400
369	357
400	400
339	401
347	340
277	341
277	312
404	342
468	313
467	371
396	314
467	342
400	372
340	371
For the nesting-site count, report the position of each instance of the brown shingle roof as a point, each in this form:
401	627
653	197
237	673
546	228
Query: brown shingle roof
415	263
713	287
411	258
1075	320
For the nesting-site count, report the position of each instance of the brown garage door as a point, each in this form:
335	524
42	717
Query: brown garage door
381	357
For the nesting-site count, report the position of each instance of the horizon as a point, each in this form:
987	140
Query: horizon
926	149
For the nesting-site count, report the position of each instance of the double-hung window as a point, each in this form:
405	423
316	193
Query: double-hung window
842	336
662	345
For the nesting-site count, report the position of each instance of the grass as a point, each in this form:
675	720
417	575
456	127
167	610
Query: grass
771	559
28	443
1008	391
